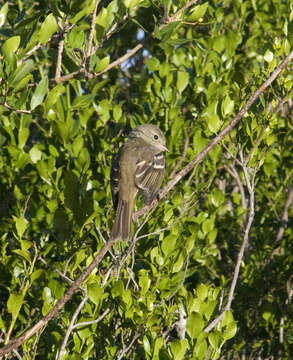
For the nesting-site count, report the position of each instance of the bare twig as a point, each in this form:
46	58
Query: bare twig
63	276
126	349
16	110
284	219
93	24
133	51
182	157
250	187
87	323
71	325
54	311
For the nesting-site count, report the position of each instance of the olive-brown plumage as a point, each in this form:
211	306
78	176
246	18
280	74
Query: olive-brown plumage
139	166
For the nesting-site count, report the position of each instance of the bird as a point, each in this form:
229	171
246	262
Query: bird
138	167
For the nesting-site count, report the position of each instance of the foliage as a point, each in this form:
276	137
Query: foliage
63	111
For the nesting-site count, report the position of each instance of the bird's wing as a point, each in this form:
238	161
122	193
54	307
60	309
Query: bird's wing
149	175
114	180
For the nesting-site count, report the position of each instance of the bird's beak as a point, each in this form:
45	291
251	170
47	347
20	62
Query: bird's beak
164	148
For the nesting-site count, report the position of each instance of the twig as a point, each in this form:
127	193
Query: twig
93	24
59	59
182	157
86	323
63	276
125	350
16	110
54	311
250	187
284	219
220	136
133	51
71	325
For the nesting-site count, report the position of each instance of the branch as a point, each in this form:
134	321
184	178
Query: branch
250	187
93	23
220	136
133	51
14	344
71	325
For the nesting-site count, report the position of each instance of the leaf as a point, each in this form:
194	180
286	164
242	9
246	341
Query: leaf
39	93
82	101
198	12
54	95
10	46
153	64
23	135
48	28
102	64
95	293
14	304
195	324
35	154
21	225
24	69
182	80
3	13
202	291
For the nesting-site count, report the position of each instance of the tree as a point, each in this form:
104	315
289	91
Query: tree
208	271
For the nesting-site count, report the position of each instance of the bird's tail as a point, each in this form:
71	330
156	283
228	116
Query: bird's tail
122	224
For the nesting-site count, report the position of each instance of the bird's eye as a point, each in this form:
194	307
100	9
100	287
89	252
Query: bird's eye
156	137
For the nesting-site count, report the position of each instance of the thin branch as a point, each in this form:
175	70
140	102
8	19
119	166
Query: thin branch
133	51
63	276
125	350
71	325
59	59
54	311
16	110
87	323
250	187
182	157
93	24
284	219
216	140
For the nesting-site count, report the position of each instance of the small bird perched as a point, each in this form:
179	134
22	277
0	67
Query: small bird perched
139	166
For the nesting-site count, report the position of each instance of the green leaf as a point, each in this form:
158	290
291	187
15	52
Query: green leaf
202	291
117	289
227	105
35	154
82	101
144	281
22	71
14	304
23	254
182	80
153	64
195	324
102	64
178	348
48	28
198	12
54	95
230	331
10	46
21	225
3	13
268	56
214	339
39	93
95	292
23	135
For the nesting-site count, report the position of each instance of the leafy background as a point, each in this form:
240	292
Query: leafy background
76	76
